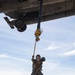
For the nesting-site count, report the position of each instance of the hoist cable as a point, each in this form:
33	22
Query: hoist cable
40	14
38	30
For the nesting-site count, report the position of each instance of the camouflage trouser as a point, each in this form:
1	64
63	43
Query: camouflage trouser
36	73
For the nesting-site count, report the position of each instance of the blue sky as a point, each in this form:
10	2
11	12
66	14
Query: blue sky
57	45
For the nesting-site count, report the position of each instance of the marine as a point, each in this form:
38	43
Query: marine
37	65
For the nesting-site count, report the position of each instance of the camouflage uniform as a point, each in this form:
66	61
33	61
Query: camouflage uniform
37	66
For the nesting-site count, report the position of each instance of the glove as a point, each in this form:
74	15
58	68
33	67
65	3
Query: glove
33	56
43	58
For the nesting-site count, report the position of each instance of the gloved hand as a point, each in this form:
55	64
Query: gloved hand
33	56
43	58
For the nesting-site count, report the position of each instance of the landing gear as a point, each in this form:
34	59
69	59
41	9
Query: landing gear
22	29
19	24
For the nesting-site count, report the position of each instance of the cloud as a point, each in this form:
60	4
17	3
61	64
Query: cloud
74	44
10	65
12	72
52	68
69	53
13	58
61	49
4	56
53	46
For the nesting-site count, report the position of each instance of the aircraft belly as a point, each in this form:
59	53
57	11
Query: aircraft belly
55	11
13	5
52	9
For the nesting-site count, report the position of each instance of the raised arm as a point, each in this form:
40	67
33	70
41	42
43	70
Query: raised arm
32	58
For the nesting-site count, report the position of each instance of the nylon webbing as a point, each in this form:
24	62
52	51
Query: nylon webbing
34	49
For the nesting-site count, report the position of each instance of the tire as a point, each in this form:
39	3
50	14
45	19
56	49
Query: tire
22	29
19	23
